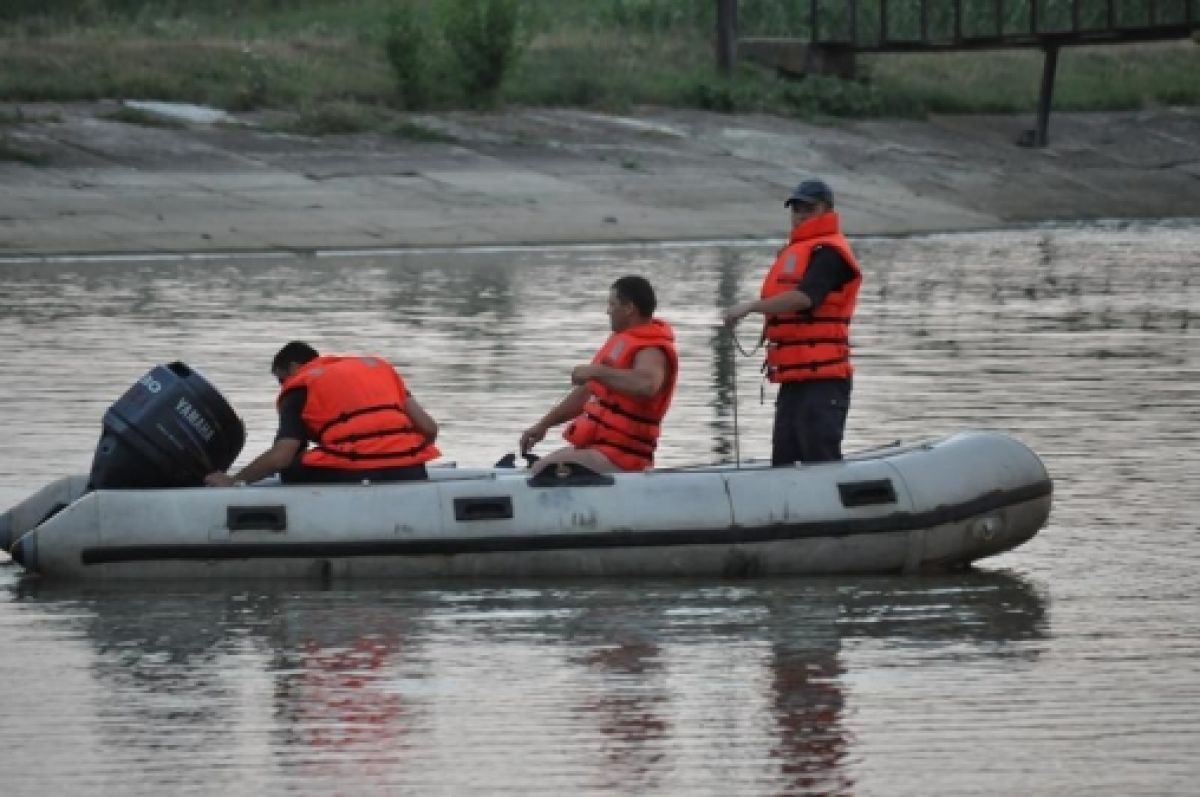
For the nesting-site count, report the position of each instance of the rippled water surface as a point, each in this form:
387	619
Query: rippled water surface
1071	665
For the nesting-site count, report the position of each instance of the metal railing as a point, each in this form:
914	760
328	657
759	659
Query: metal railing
895	26
908	25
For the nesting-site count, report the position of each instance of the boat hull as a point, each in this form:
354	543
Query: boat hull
932	506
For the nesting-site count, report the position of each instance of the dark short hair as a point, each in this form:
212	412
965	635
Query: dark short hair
638	292
297	352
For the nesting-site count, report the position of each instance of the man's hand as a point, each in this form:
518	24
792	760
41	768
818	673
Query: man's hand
580	374
531	437
734	314
218	479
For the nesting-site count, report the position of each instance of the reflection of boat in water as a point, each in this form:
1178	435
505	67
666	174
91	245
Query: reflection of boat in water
192	620
928	506
637	679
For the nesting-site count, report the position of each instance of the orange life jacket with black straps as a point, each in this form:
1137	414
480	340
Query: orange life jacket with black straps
355	414
815	343
622	427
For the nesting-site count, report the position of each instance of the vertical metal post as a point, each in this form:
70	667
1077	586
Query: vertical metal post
1153	10
883	28
853	23
957	21
1075	16
1049	67
812	22
925	21
726	36
1033	17
999	19
1112	17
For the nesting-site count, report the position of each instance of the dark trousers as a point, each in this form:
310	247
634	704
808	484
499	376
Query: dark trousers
810	419
299	473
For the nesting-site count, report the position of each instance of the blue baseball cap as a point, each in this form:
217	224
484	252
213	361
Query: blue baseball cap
811	191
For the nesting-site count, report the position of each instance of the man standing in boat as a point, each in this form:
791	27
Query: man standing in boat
617	407
808	299
356	411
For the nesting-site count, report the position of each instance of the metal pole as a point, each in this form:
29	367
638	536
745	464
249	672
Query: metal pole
1033	17
958	21
726	35
1047	96
1075	16
883	19
925	21
813	27
999	19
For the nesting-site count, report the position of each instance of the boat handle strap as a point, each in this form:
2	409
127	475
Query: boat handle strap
867	493
497	507
256	518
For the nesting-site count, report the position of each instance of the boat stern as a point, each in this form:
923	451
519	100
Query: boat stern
37	508
24	552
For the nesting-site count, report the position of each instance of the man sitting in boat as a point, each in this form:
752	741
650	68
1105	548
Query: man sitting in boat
356	411
620	398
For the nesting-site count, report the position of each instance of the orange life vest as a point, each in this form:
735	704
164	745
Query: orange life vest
625	428
815	343
355	414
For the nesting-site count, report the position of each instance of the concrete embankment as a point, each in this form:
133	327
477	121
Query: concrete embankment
547	176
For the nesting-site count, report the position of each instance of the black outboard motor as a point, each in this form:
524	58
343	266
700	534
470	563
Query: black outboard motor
169	430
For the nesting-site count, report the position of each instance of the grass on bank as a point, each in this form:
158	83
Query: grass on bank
327	61
11	152
337	116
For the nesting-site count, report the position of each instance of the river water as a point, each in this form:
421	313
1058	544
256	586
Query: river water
1069	666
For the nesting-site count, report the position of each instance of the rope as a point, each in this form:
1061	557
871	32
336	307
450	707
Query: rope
737	440
738	343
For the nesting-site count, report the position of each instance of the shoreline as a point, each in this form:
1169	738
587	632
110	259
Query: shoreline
217	255
536	178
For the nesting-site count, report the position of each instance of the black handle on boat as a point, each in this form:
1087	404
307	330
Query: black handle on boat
498	507
256	518
867	493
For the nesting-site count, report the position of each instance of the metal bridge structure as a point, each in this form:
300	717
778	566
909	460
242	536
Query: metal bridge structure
825	35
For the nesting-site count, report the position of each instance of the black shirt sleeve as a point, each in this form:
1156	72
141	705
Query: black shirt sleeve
827	272
291	408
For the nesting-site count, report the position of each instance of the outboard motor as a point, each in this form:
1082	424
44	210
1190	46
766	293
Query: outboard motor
169	430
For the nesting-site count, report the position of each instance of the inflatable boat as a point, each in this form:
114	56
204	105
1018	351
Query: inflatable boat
934	505
141	513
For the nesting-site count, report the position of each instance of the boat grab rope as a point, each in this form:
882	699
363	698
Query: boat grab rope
738	343
737	447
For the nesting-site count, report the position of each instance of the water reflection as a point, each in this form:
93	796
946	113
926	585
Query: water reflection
350	686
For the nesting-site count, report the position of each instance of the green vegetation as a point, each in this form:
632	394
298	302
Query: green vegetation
11	152
350	117
351	65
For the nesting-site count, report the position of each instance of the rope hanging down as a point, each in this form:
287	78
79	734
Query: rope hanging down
738	343
737	443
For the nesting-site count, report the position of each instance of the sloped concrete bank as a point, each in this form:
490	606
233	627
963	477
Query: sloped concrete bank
567	176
